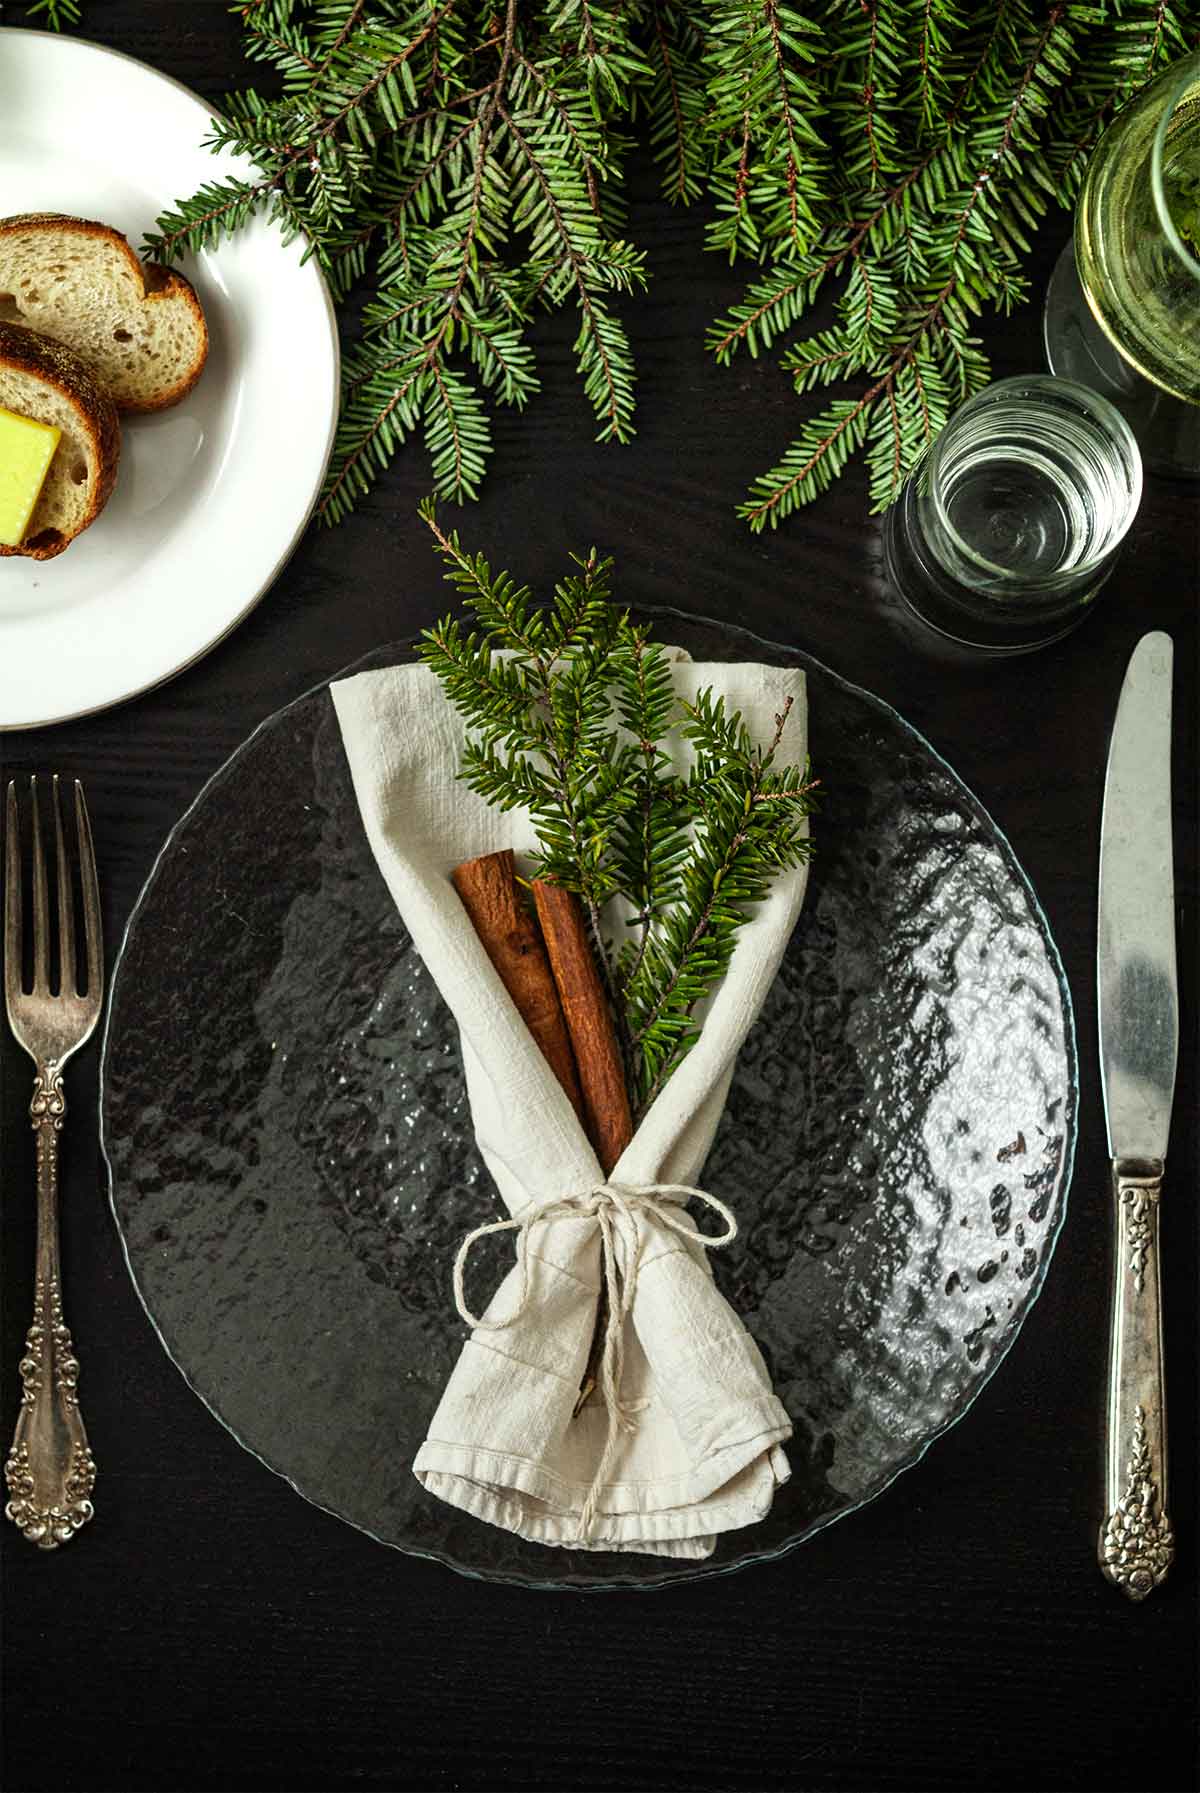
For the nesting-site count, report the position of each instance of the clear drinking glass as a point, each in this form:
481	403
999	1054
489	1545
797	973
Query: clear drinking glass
1010	525
1123	306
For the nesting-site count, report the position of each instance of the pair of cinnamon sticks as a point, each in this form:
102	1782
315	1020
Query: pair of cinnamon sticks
545	962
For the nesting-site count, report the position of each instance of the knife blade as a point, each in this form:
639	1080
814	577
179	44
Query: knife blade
1139	1039
1135	958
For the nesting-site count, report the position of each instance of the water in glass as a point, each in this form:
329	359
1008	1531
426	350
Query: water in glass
1029	494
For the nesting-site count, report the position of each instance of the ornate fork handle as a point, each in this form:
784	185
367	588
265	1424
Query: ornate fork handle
1136	1543
50	1471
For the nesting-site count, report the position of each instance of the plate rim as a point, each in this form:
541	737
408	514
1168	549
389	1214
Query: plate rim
693	1572
256	598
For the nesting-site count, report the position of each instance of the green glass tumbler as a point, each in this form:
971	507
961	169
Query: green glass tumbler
1122	309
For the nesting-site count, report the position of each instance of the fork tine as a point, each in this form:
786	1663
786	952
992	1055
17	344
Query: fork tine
66	917
91	900
41	902
12	898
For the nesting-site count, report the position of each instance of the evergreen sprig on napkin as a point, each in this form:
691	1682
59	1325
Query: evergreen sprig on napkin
463	166
571	710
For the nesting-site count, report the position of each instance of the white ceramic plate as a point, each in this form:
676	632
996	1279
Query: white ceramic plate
212	495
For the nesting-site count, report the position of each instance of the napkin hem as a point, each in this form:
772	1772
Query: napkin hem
611	1531
485	1482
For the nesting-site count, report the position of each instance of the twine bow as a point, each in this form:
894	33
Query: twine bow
612	1206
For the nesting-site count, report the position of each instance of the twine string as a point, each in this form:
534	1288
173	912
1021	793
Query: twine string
616	1208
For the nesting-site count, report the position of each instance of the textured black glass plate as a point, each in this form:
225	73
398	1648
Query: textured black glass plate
292	1165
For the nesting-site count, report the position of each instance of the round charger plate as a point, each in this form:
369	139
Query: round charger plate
292	1167
213	494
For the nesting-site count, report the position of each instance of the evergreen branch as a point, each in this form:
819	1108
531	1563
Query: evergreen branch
506	619
792	160
679	143
584	153
684	861
699	927
455	168
456	432
749	818
923	401
345	32
985	174
999	19
349	477
752	324
431	168
778	492
868	92
168	243
600	343
282	49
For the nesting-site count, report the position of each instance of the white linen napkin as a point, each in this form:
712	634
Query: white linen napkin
701	1453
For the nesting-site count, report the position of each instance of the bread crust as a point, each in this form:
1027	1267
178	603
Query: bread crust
158	284
50	361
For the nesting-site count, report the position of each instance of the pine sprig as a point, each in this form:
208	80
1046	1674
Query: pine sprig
746	824
939	243
572	712
953	128
461	162
460	167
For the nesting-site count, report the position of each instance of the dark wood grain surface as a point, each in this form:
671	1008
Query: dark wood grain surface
211	1630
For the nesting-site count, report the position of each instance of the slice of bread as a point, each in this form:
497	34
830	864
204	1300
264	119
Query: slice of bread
45	380
139	327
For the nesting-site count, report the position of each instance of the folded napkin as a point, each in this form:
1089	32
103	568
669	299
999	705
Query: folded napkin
687	1444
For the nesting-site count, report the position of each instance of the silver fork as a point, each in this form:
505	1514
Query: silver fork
50	1471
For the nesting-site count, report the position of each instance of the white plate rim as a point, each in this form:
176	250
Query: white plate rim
256	597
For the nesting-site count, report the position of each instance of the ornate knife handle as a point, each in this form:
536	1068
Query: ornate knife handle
50	1472
1136	1545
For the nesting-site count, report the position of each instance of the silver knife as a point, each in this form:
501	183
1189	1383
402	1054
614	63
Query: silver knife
1139	1038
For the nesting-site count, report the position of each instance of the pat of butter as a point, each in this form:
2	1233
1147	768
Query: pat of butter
26	451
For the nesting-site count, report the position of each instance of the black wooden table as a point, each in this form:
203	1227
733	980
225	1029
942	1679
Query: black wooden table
212	1630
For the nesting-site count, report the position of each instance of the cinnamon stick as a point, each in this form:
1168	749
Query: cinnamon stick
487	887
557	991
606	1115
607	1118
